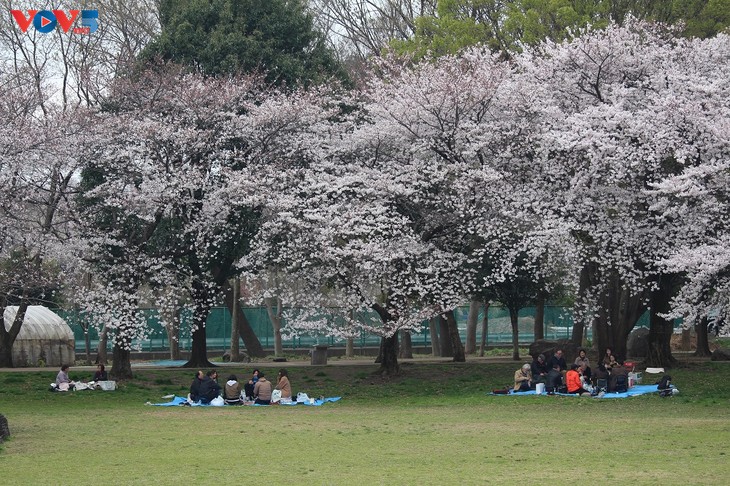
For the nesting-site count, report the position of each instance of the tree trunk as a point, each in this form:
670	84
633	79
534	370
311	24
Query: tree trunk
87	345
686	344
173	334
661	329
618	312
539	332
513	314
405	350
275	318
454	338
388	355
586	280
246	333
7	338
201	309
350	348
485	329
235	349
121	363
433	327
703	342
389	360
101	357
471	327
447	349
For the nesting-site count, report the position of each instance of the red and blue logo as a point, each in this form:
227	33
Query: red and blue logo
46	21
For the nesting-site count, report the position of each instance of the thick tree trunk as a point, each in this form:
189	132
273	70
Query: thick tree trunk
447	350
485	329
87	345
618	312
539	330
405	350
121	354
513	314
587	276
388	355
456	345
198	350
433	327
235	349
7	338
686	344
471	326
245	331
661	329
350	348
274	309
389	360
101	357
201	309
173	334
703	342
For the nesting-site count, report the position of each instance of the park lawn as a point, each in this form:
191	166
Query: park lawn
434	424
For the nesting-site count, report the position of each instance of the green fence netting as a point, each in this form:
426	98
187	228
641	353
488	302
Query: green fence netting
558	322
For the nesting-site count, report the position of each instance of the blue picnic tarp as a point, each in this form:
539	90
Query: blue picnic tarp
632	392
183	401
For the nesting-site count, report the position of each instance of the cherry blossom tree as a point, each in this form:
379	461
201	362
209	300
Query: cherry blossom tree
411	209
696	198
612	124
190	162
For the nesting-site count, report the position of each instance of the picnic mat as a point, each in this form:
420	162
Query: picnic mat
183	401
633	391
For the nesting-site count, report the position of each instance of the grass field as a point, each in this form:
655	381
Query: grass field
435	424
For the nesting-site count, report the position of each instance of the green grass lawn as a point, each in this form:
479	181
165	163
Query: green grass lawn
435	424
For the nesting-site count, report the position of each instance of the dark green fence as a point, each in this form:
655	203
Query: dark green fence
558	325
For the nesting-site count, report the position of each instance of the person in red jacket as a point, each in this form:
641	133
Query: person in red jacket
572	381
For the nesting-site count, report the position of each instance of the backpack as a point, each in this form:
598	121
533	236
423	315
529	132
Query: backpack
665	383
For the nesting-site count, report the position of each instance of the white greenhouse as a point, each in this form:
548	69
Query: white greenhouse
44	338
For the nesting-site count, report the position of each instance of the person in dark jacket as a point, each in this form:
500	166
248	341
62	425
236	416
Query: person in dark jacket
248	387
554	380
195	386
559	360
619	380
100	374
209	387
540	369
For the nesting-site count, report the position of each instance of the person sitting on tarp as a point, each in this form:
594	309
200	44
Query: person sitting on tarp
572	381
209	387
100	374
554	382
539	369
284	385
523	378
63	382
600	375
195	386
619	380
248	387
584	364
262	390
609	360
559	360
232	391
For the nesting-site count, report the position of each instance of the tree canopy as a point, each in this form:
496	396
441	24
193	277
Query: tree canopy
275	37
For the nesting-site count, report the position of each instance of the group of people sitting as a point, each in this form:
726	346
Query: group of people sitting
64	382
258	389
610	376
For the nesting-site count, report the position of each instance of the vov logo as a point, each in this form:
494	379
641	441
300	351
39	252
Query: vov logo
45	21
